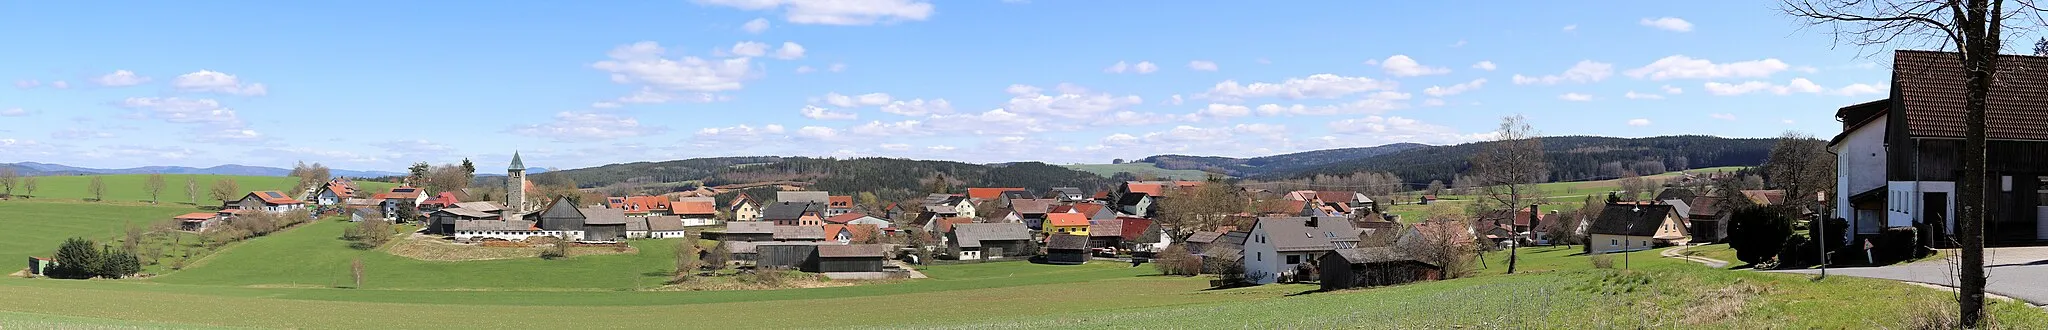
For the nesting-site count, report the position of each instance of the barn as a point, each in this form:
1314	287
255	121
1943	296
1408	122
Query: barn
1368	267
851	258
1066	249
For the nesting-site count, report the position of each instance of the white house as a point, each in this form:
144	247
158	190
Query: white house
269	201
1277	246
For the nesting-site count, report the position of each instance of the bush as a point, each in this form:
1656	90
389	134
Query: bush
556	251
1177	261
1790	256
1758	233
368	234
1898	244
75	259
1602	261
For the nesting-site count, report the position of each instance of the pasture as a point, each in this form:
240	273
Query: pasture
129	188
35	228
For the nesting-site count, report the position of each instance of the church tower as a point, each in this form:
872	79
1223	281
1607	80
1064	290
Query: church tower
515	188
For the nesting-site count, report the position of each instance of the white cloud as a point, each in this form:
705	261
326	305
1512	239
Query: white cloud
183	110
1575	97
1789	122
1176	100
588	126
1073	102
1199	65
642	63
919	107
755	26
605	105
819	113
1142	67
882	129
1119	67
863	100
1722	116
750	49
26	84
1460	43
837	67
805	69
1484	65
1403	66
1219	110
1325	86
1668	89
1023	90
410	148
790	51
15	112
1683	67
836	12
1639	122
1373	130
1440	91
742	134
648	95
230	135
1583	72
894	147
1796	86
121	78
1145	67
1377	103
992	122
81	134
818	133
217	82
1433	103
134	151
60	84
1571	27
1263	60
1642	96
1668	24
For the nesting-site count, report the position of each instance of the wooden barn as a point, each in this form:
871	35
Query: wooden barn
1368	267
1066	249
850	258
786	255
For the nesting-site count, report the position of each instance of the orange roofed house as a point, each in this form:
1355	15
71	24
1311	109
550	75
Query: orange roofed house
270	201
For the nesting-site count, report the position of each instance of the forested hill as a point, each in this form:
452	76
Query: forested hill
1245	167
897	179
653	172
1572	158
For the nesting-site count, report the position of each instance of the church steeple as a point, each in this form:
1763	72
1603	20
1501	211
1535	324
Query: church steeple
516	164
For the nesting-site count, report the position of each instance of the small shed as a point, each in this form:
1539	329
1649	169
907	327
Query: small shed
1066	249
851	258
198	221
785	255
39	266
1377	266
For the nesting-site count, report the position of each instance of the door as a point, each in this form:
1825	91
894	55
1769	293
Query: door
1934	215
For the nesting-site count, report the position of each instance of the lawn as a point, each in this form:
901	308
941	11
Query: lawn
128	188
35	228
319	258
1107	170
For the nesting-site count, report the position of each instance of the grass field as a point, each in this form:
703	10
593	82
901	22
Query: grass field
319	258
128	188
1107	170
35	228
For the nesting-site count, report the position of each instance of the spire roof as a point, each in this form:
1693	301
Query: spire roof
516	164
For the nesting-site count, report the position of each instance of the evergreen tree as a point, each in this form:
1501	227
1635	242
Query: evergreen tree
75	259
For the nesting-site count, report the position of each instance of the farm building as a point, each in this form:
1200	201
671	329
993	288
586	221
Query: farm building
442	221
1367	267
39	266
974	241
667	226
748	231
851	258
269	200
197	221
603	224
1066	249
799	233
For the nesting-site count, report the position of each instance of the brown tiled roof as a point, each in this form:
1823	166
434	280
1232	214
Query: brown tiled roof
1106	228
1931	87
852	251
989	193
274	197
665	223
197	216
1705	206
839	201
947	224
1066	242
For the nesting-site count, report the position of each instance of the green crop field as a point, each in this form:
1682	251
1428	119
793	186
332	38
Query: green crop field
319	258
128	188
1106	170
35	228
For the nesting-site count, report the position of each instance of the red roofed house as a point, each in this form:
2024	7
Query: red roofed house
269	200
197	222
445	199
986	194
1066	224
334	192
849	234
837	205
641	206
744	208
696	211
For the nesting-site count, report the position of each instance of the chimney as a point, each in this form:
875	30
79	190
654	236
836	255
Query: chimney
1535	216
1311	222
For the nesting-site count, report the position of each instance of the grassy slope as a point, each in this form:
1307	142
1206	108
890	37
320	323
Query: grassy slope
319	258
1107	170
37	227
128	187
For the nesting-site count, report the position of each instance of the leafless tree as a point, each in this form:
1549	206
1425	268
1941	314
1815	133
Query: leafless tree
28	186
447	178
719	257
192	190
1509	168
309	175
1975	30
355	268
7	180
1185	211
225	189
1632	186
1802	166
97	188
1436	187
154	186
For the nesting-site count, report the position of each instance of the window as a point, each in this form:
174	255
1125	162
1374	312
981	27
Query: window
1258	256
1612	242
1293	260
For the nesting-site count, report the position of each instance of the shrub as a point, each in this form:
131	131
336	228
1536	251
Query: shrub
556	251
1898	244
117	263
1602	261
368	234
719	257
1758	233
75	259
1790	256
1177	261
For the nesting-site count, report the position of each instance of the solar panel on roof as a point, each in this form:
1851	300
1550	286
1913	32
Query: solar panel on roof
273	194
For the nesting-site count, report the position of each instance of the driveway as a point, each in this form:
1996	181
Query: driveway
2018	272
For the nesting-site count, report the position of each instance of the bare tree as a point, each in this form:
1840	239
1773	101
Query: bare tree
97	188
1436	187
1802	166
7	180
355	268
154	186
225	189
1186	211
1508	169
28	186
1974	29
1632	186
447	178
192	190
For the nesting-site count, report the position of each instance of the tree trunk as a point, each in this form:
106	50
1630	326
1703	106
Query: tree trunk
1979	62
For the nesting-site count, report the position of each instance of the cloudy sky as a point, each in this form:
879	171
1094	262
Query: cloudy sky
376	85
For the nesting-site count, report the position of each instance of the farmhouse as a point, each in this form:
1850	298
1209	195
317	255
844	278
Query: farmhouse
442	221
1708	219
603	224
1067	224
801	197
838	205
857	219
667	226
851	258
197	221
269	201
1625	227
975	241
1119	232
786	213
1066	249
848	234
696	211
1278	246
643	206
1067	194
334	192
744	208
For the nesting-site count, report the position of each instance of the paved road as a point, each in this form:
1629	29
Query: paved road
2020	272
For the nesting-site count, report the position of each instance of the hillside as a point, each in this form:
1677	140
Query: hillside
1107	170
896	179
1572	158
695	169
1276	163
129	187
33	168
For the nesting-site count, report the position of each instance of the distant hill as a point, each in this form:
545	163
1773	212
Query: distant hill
1572	158
1243	167
695	169
1107	170
898	179
33	168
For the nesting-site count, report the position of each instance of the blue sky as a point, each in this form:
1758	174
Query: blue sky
376	85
